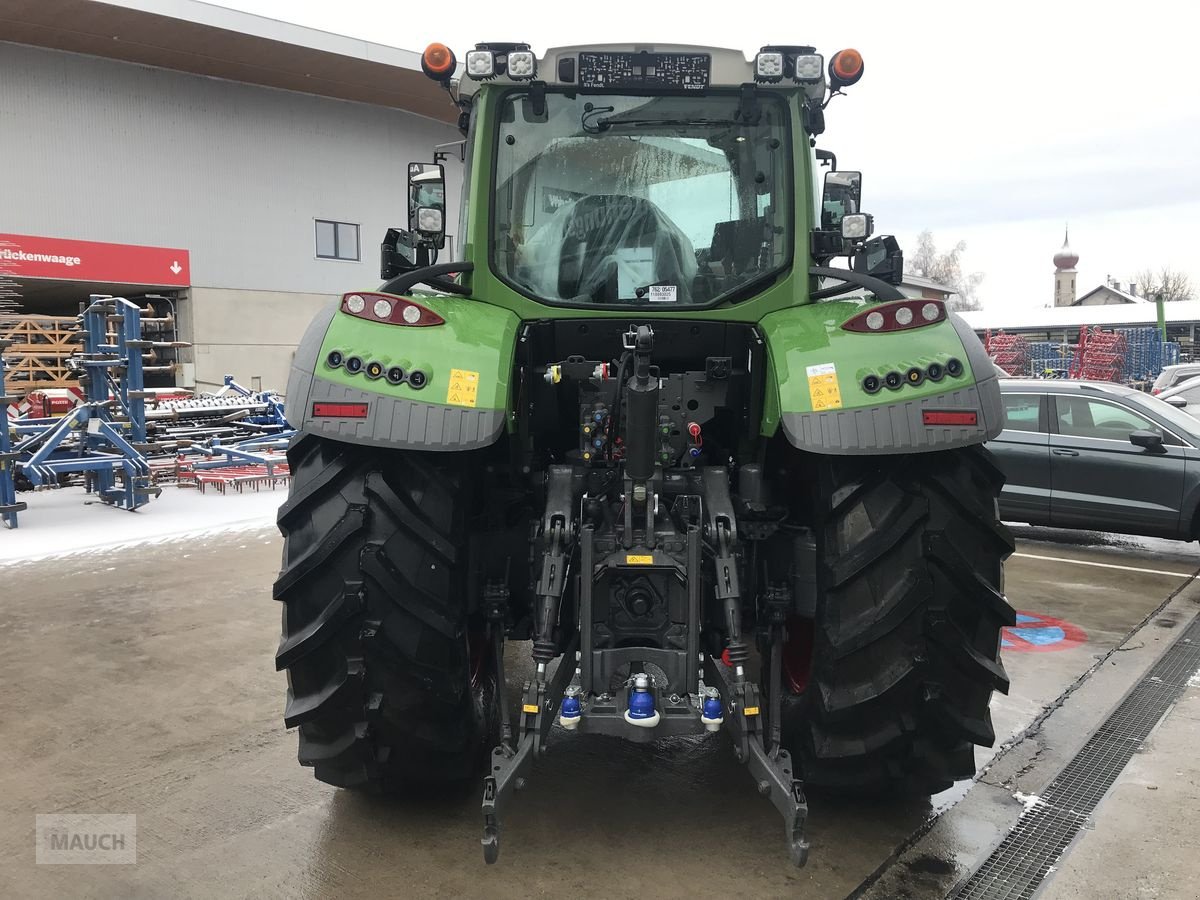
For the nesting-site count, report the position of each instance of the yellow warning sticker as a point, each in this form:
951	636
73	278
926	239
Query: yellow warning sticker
632	560
823	388
463	389
530	708
751	710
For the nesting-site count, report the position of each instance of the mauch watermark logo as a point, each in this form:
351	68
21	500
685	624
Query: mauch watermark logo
86	839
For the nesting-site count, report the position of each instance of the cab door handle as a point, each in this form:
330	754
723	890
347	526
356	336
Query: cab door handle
1058	451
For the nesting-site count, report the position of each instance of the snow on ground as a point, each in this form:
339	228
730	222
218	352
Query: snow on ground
68	520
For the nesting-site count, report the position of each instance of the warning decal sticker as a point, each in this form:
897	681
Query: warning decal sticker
823	388
463	389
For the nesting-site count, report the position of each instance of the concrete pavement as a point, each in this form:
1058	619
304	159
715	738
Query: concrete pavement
143	683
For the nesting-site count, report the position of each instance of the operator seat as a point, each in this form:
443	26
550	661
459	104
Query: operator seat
600	225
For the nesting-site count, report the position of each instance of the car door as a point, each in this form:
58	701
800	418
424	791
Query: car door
1101	481
1022	450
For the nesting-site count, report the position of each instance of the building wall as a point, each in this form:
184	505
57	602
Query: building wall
95	149
225	317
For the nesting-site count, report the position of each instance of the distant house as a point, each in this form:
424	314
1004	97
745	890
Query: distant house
921	288
1108	295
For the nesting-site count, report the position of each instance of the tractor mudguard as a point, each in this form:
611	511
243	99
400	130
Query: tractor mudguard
834	394
456	375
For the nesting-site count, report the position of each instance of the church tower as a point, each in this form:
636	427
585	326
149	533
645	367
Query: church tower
1064	274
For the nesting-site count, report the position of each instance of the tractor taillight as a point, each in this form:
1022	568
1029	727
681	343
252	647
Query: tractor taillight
392	310
898	316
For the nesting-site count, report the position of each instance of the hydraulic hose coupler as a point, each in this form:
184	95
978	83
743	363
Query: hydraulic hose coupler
571	710
712	711
641	710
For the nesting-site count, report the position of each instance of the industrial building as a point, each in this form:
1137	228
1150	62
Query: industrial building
234	172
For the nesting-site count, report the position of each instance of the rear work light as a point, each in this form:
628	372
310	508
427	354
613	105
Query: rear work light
947	417
392	310
898	316
339	410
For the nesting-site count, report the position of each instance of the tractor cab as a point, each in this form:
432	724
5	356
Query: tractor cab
623	176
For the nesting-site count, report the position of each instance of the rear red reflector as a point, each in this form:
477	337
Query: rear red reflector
340	410
938	417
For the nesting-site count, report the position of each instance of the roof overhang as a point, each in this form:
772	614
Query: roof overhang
200	39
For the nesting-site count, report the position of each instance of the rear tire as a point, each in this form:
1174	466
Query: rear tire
381	681
905	648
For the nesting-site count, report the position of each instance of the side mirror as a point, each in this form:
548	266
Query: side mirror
881	258
842	196
1177	402
427	203
1147	440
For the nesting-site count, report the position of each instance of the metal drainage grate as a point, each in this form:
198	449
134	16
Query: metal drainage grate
1017	867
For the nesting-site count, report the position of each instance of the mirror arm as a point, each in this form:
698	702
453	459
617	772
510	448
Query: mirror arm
427	275
880	289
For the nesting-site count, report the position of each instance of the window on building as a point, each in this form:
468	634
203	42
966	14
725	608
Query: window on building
337	240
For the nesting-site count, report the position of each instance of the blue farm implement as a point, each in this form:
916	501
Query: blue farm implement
100	437
9	507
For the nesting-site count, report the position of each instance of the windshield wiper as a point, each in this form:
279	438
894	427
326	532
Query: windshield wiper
592	111
605	124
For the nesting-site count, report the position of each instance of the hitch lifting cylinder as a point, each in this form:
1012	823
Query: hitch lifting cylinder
641	423
640	431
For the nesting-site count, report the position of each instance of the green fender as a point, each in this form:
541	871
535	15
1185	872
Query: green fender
819	369
466	362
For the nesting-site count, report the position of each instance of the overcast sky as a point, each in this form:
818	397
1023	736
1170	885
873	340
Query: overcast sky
992	124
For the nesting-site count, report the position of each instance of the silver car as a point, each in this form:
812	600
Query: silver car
1098	456
1171	376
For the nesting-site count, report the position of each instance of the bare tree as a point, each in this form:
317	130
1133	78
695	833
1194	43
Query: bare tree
1171	283
945	268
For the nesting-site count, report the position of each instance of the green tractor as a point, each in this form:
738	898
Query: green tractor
643	422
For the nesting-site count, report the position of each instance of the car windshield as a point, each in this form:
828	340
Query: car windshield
606	199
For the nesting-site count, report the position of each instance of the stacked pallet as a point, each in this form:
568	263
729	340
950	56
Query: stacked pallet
1009	351
1101	355
1147	353
1050	358
39	347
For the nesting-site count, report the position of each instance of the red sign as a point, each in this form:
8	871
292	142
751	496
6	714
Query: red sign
26	256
